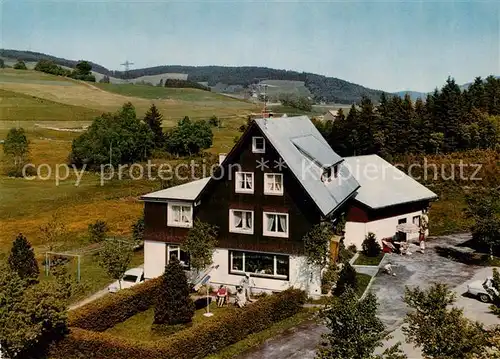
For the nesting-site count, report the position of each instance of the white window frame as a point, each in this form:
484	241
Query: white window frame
177	249
232	227
267	233
170	215
267	179
237	181
254	144
263	275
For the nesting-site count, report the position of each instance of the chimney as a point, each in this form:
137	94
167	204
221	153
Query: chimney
222	157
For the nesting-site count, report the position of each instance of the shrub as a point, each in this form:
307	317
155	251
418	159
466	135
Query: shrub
214	121
329	278
195	342
106	312
371	247
97	231
317	244
347	278
174	305
20	65
138	231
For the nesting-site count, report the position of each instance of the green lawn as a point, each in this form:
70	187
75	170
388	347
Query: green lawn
363	280
139	326
368	261
93	277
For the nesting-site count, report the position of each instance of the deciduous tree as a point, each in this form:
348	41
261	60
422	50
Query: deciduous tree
119	138
188	137
200	244
317	244
440	331
355	331
115	257
31	317
16	146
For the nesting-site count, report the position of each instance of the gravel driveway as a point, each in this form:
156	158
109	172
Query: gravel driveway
415	270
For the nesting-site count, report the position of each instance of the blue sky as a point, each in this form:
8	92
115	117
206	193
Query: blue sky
385	45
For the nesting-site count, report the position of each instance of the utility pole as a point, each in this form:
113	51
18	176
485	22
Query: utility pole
110	153
127	64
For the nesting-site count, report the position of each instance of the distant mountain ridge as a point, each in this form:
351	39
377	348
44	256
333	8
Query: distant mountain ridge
322	88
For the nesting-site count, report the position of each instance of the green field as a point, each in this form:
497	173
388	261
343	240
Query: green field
182	94
36	101
15	106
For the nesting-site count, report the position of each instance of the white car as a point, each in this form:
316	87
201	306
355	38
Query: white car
131	277
477	289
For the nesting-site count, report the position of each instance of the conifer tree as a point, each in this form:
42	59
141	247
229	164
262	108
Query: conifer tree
347	279
174	305
22	259
153	119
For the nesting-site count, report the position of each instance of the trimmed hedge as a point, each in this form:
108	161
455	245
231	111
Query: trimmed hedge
106	312
195	342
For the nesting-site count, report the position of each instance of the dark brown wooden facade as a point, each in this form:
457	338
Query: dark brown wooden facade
358	212
219	197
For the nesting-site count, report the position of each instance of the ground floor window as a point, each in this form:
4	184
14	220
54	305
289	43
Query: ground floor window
259	264
182	256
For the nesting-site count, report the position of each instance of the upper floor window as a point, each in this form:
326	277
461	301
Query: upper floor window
329	173
258	144
241	221
273	183
275	224
244	182
179	215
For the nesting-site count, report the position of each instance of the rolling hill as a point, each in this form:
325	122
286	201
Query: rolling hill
321	88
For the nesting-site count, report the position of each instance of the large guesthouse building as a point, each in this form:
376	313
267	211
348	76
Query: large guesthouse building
278	181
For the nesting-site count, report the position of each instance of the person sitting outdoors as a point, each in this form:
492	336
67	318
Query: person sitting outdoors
221	296
388	269
241	299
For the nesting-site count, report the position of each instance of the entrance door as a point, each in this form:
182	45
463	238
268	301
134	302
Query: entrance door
401	235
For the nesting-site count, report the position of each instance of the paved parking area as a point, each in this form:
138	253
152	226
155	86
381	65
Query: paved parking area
420	270
473	308
415	270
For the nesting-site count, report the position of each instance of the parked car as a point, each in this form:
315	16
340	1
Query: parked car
477	289
131	277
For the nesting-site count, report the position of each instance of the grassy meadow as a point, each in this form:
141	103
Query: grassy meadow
39	103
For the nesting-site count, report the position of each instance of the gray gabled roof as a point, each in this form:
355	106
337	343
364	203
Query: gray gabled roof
184	192
304	150
383	185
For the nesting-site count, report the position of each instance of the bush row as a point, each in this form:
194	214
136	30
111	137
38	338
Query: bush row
106	312
196	342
